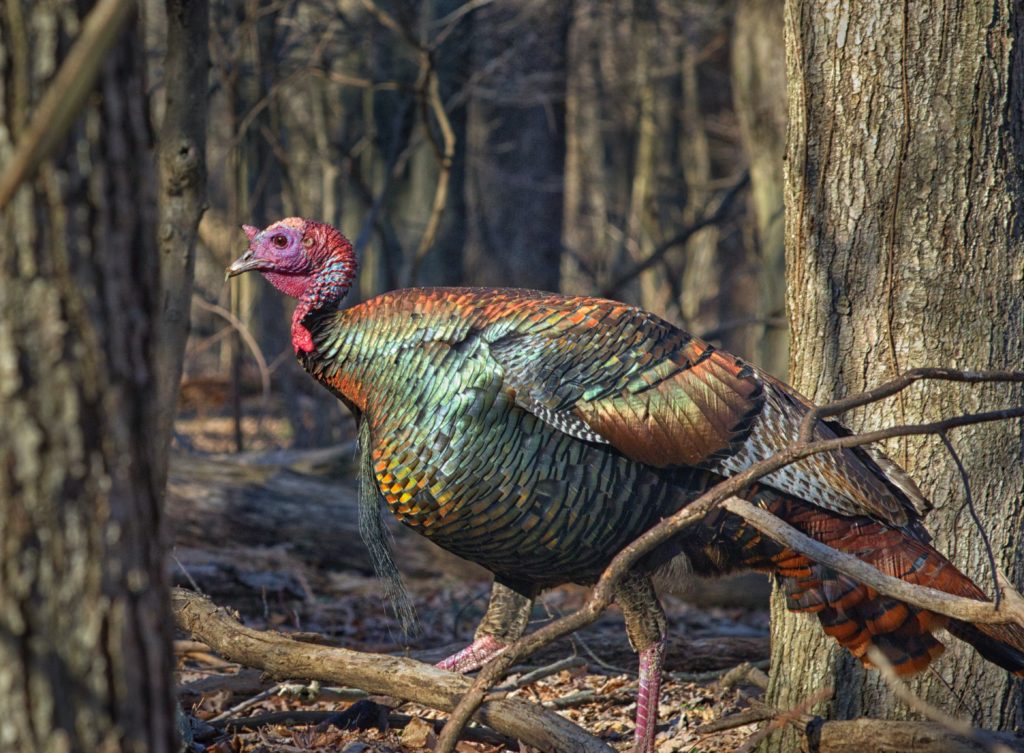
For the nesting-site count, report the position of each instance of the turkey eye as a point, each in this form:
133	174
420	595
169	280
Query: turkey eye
280	241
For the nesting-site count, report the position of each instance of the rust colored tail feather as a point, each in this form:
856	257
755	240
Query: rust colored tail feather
856	615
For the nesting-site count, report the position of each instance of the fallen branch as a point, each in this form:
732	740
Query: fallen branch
958	727
859	735
782	717
281	657
732	721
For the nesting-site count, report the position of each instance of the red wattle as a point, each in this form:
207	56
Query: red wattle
302	338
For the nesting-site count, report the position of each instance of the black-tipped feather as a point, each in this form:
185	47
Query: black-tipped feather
377	537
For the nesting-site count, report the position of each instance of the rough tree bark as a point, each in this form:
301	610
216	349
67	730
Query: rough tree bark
904	196
182	197
85	660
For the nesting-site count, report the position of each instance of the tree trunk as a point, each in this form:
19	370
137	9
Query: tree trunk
759	94
182	164
85	660
517	108
904	198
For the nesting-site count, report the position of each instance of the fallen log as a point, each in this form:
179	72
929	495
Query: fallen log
284	658
260	502
877	736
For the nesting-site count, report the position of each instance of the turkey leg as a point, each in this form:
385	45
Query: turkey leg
646	627
504	623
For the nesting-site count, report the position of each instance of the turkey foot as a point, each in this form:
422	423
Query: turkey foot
648	695
473	656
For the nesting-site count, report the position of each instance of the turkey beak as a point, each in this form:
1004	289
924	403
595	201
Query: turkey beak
244	263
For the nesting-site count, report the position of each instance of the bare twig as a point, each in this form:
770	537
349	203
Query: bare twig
448	23
932	599
899	384
782	718
246	334
282	658
248	703
771	322
969	501
540	673
739	719
724	207
66	95
387	20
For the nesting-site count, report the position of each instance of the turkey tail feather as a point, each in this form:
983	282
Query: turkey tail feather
855	614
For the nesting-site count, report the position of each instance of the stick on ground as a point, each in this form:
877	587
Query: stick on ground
283	658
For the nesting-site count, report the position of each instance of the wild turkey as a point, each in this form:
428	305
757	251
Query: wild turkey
538	434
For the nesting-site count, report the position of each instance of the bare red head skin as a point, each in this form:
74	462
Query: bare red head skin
304	259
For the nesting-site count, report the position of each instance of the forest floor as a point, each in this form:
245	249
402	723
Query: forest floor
590	678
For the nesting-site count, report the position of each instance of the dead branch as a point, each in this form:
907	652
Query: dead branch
732	721
281	657
448	23
958	727
246	334
965	479
782	717
934	600
899	384
744	673
602	594
859	735
388	21
64	98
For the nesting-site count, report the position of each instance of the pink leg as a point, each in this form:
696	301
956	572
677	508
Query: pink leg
473	656
648	696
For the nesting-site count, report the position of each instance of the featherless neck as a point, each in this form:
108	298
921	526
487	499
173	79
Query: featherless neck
330	286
